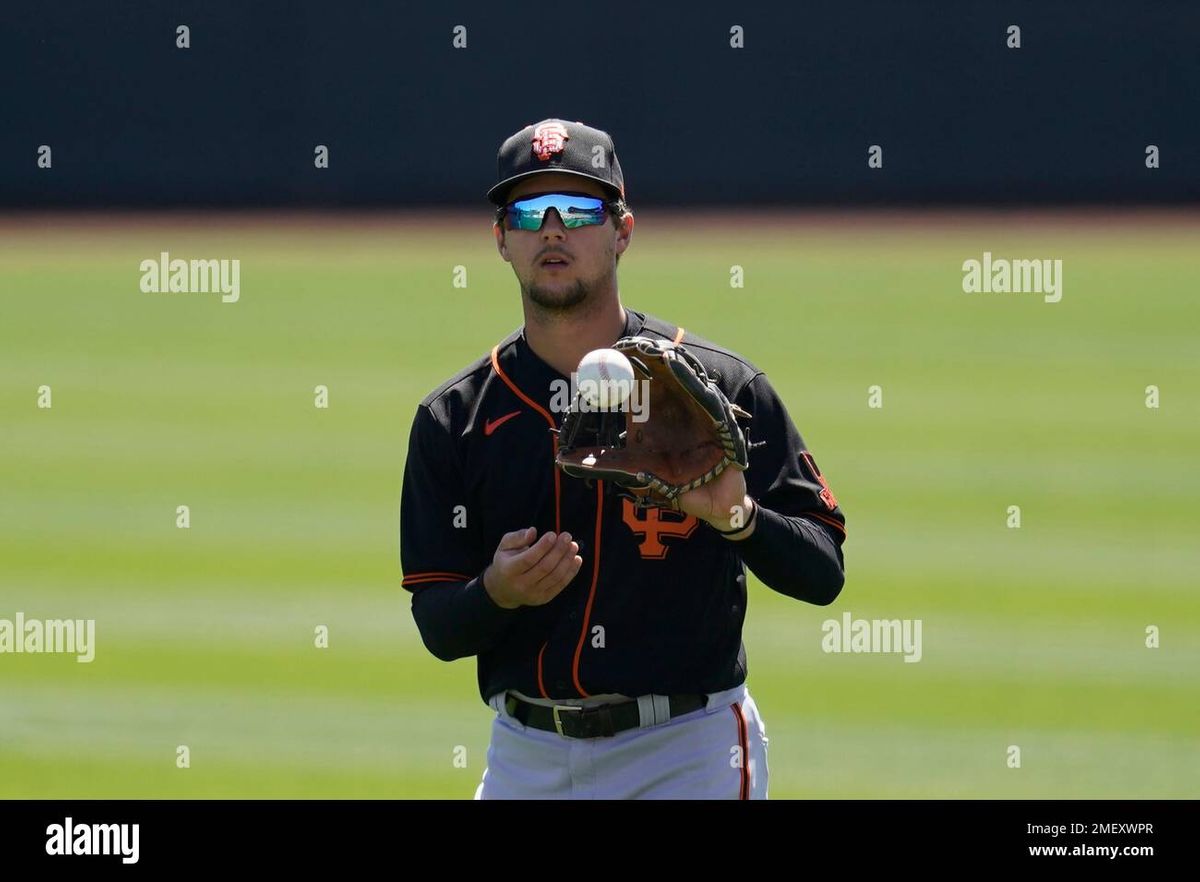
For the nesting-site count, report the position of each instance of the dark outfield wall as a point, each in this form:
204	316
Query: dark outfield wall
408	118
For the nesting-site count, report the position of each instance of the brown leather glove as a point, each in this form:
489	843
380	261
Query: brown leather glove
688	434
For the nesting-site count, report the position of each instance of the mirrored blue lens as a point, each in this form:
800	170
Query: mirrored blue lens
575	209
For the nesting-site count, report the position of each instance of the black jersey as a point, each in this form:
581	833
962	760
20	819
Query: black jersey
658	605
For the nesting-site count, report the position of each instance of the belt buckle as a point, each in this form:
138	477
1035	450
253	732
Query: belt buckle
558	720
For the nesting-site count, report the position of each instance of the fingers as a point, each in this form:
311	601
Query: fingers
532	575
532	556
541	575
560	577
517	539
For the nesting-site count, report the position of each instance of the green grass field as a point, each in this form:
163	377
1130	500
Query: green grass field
1032	637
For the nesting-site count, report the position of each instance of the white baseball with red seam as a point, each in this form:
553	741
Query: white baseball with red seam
605	379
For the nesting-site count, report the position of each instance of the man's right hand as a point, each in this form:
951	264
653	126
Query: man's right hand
521	574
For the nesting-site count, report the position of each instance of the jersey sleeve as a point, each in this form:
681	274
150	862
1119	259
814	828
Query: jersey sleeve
439	553
796	546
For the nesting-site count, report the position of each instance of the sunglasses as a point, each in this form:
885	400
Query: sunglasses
575	209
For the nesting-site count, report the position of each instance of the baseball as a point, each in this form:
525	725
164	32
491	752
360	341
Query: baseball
605	379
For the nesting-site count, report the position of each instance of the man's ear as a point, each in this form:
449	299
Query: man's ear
498	232
624	233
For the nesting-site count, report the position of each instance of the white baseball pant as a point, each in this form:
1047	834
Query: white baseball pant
716	752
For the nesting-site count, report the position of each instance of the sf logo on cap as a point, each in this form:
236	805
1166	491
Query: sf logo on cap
548	139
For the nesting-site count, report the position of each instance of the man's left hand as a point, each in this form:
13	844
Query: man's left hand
721	500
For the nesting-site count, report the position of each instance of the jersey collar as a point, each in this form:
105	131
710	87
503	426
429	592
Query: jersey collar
532	373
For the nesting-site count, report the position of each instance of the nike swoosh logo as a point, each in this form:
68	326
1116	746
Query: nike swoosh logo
491	425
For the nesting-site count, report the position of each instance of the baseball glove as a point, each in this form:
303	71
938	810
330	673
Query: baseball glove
683	435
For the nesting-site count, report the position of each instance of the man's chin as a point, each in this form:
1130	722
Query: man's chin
558	297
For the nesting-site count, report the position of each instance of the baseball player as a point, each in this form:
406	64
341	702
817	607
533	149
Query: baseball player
607	635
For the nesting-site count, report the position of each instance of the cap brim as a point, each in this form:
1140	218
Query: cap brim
498	195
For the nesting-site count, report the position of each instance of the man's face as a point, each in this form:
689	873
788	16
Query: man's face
589	253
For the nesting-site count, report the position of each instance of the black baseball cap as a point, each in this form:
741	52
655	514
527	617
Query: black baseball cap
560	146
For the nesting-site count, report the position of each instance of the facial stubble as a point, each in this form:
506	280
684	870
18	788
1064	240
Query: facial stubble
554	300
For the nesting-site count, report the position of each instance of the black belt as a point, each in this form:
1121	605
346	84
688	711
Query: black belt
592	722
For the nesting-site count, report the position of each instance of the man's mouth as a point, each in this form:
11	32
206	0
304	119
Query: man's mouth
554	260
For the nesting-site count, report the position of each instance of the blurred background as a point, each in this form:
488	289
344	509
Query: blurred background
119	144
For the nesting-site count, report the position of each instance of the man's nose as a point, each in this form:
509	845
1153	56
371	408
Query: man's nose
552	224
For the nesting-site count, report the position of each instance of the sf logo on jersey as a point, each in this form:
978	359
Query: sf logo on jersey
652	524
